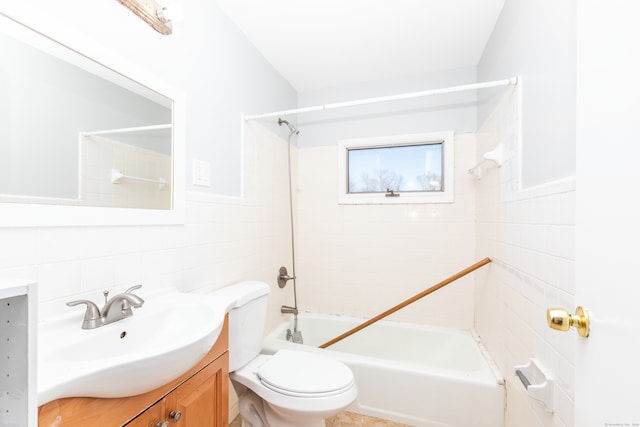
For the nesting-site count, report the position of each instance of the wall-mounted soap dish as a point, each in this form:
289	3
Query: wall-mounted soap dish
490	159
538	383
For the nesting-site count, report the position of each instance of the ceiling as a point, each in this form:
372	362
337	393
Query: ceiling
317	44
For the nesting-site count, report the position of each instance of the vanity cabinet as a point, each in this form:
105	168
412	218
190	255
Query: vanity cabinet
193	399
199	398
197	402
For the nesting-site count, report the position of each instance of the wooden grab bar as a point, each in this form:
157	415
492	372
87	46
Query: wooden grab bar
409	301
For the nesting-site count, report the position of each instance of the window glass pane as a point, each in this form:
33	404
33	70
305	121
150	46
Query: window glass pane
399	168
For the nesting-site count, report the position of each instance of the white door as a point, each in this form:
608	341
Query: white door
607	372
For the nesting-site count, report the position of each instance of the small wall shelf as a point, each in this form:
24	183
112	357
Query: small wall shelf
537	382
18	340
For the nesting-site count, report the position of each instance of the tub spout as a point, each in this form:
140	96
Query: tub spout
285	309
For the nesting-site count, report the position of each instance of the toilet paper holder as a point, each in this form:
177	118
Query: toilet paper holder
537	382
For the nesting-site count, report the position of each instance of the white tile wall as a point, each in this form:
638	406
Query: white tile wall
530	236
222	241
355	260
101	155
360	260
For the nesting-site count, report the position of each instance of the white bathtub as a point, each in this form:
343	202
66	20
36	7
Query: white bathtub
418	375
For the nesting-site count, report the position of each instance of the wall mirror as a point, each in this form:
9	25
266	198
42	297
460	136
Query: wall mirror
84	137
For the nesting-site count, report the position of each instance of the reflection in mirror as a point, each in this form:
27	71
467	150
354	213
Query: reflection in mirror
67	123
120	166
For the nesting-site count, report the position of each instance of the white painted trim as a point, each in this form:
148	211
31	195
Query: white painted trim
558	186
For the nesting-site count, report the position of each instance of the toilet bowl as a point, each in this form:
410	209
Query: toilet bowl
289	388
293	389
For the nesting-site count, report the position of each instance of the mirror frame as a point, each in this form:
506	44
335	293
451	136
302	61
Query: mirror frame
37	215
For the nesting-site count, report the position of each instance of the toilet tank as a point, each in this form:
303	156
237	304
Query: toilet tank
246	321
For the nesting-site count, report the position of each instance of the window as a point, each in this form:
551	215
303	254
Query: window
396	169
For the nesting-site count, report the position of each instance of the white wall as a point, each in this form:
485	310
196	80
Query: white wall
530	237
530	234
431	114
224	239
207	57
537	40
360	260
222	76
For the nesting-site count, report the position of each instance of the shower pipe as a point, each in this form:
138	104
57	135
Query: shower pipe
408	301
485	85
294	309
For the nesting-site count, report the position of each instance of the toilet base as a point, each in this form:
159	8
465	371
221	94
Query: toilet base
255	412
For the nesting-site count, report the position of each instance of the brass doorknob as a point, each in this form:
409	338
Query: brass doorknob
561	320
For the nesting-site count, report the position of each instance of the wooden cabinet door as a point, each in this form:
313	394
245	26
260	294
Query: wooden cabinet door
152	417
202	401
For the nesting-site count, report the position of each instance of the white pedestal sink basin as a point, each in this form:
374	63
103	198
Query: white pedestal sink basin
163	339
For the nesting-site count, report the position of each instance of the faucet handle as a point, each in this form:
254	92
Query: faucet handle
126	307
92	318
133	288
283	277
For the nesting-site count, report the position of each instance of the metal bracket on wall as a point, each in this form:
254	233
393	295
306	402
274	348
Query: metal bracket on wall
283	277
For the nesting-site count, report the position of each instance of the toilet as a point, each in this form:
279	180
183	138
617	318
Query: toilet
289	388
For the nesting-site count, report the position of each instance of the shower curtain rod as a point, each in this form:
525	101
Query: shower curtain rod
485	85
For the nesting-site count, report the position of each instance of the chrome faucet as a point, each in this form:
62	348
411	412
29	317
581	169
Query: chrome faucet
117	308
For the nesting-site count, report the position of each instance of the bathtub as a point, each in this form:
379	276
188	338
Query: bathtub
417	375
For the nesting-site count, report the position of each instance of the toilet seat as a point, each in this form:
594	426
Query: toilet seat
302	374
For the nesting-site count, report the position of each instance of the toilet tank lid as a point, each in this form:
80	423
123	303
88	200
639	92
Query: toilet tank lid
244	292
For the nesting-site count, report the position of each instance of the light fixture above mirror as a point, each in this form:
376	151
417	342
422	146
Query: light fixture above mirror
160	18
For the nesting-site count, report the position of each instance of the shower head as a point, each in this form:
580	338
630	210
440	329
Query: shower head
292	128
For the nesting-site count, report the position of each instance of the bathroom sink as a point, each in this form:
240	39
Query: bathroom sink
163	339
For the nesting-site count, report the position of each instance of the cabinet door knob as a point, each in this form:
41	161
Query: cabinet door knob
162	424
175	416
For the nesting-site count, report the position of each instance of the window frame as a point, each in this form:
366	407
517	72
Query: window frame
446	195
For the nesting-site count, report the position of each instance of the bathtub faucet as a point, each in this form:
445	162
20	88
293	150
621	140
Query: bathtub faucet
285	309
